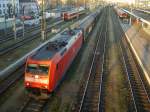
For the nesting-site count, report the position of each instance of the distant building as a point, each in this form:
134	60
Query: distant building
6	7
29	7
142	3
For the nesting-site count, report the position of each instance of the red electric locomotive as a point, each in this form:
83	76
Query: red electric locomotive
72	14
46	68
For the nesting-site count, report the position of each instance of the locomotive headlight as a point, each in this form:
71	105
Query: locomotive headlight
44	81
36	76
27	84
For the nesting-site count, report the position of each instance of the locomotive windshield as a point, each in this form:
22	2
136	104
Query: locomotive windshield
37	69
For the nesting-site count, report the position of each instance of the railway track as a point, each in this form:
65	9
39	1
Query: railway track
10	35
35	35
110	70
33	105
90	96
139	96
104	74
139	92
11	80
93	97
144	15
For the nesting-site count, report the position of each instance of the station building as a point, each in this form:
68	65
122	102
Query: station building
6	7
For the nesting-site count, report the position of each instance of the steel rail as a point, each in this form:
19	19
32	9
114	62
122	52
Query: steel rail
4	85
125	67
129	74
33	105
29	103
25	40
140	18
91	67
103	69
9	36
132	79
124	63
19	33
9	80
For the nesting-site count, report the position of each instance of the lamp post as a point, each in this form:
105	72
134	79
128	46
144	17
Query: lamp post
23	8
85	4
43	21
130	15
14	19
5	23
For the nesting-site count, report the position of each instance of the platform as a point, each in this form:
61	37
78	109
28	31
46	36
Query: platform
140	43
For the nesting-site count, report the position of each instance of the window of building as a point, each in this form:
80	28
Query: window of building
0	11
4	11
3	5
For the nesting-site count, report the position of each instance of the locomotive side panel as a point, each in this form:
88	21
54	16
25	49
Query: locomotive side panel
52	80
67	58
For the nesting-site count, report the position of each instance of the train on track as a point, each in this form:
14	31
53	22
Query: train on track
46	68
69	15
121	14
30	20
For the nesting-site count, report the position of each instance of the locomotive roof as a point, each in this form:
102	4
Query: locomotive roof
59	44
75	11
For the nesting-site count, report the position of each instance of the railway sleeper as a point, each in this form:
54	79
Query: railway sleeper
32	110
94	97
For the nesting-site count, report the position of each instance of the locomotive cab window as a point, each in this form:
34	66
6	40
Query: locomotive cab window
43	69
31	68
37	69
